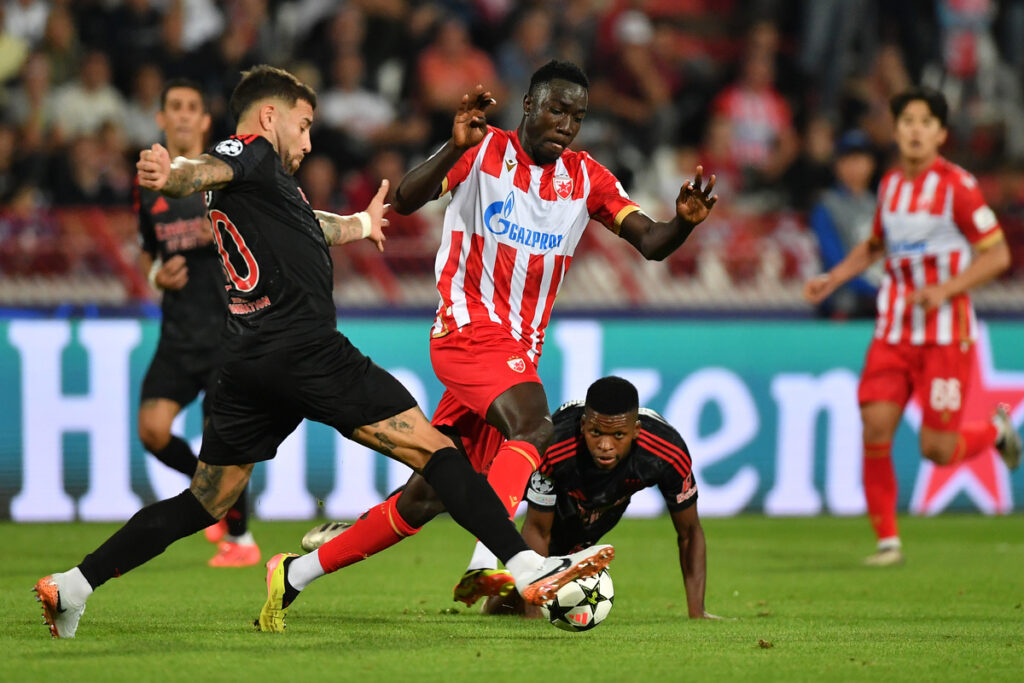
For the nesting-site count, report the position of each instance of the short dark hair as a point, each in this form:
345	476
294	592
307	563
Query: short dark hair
612	396
262	82
181	83
558	70
935	100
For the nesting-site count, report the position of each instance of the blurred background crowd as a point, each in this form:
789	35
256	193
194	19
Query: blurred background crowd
786	101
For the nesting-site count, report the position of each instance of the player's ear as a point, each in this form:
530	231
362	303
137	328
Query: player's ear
204	124
268	113
161	119
527	103
943	135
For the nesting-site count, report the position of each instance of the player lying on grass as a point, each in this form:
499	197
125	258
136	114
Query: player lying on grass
286	361
606	449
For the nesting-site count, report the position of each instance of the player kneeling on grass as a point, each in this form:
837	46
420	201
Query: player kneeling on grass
605	449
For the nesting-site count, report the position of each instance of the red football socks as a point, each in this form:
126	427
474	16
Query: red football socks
510	470
379	528
975	439
880	488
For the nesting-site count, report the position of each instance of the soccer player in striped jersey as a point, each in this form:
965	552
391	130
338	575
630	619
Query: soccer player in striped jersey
939	240
521	200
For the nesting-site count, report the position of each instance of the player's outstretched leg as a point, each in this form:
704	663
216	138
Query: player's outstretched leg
541	585
63	597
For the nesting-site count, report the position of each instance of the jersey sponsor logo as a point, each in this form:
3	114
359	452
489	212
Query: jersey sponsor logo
563	185
184	234
904	247
984	219
496	218
230	147
517	364
243	307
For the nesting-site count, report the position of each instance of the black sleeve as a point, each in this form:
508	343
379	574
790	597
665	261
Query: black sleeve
147	235
676	481
245	155
540	492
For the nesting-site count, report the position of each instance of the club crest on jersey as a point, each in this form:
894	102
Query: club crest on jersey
517	364
563	185
230	147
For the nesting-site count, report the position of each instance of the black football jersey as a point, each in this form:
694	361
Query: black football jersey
278	266
588	501
193	316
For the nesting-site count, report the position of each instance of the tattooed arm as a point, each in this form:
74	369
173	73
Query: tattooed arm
183	176
340	229
369	223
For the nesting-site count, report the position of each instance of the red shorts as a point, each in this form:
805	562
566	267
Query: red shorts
938	376
476	364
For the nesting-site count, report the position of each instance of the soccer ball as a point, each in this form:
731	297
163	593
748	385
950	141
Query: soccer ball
581	604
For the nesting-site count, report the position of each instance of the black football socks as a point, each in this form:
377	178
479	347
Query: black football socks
144	536
178	456
472	502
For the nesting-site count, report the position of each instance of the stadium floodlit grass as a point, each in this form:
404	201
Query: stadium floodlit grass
799	606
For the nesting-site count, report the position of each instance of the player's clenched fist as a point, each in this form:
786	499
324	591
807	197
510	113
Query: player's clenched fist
818	288
154	167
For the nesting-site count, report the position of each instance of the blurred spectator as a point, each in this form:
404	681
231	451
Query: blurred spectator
319	181
60	45
811	172
136	38
526	51
637	88
13	52
843	219
30	239
836	39
764	141
348	106
8	173
85	177
201	22
82	105
869	96
140	128
26	19
449	68
31	105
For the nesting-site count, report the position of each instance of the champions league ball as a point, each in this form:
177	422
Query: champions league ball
581	604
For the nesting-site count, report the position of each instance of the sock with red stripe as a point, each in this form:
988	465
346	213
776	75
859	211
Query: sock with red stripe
509	473
975	438
880	489
511	470
376	529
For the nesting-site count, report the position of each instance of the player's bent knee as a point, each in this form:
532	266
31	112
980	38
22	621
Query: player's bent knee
153	433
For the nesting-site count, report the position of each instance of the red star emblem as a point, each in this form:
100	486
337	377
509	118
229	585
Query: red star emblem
984	479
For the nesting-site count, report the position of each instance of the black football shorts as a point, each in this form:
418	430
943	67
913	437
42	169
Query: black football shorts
180	374
259	401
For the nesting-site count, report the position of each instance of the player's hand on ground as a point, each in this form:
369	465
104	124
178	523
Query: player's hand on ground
154	167
929	297
173	274
818	288
695	202
377	209
471	118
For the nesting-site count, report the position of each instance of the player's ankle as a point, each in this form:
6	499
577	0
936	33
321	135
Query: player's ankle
890	543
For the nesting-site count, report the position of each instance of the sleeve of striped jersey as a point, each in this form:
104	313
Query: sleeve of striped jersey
460	171
147	234
246	160
607	201
877	232
972	215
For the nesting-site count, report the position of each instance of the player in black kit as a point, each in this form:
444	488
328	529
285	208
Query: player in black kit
606	449
181	260
287	361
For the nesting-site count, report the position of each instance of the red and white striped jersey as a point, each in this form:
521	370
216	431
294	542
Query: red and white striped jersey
510	233
929	225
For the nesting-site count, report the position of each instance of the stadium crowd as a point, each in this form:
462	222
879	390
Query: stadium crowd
760	92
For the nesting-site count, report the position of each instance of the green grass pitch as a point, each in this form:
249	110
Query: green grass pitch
799	607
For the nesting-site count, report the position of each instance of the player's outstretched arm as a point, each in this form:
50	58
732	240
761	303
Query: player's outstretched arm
692	559
367	224
817	289
181	177
657	240
423	183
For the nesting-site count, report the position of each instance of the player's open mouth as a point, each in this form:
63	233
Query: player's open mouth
606	459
